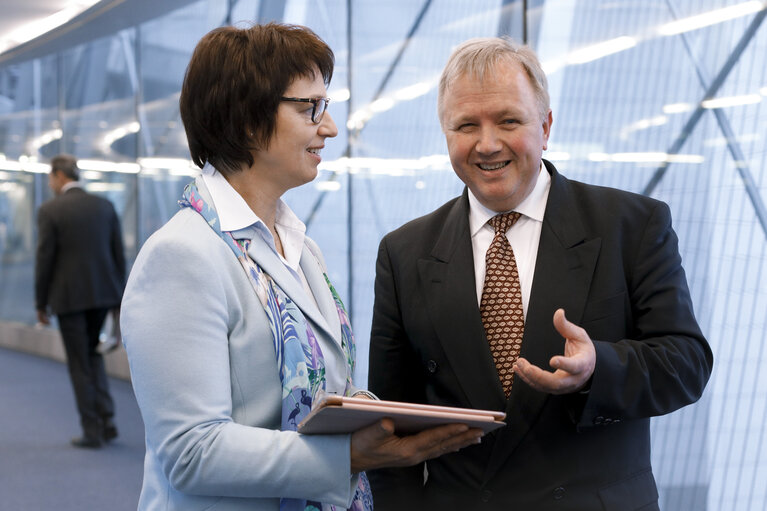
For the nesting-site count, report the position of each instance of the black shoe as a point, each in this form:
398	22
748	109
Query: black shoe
110	431
87	442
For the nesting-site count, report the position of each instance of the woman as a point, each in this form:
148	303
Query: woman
229	320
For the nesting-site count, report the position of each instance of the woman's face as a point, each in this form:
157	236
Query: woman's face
294	149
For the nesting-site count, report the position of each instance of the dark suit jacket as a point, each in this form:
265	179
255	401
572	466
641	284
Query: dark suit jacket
80	262
610	259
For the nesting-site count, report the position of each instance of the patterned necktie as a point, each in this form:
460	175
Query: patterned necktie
501	306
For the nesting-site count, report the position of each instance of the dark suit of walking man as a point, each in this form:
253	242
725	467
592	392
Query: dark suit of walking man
578	436
80	276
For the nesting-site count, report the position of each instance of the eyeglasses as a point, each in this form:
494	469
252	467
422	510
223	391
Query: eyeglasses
319	105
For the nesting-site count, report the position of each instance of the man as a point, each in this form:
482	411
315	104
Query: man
80	275
447	285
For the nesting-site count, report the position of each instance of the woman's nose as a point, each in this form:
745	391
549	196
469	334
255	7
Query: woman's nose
328	126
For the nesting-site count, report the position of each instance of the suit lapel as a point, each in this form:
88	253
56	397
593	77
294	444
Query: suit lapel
447	279
563	272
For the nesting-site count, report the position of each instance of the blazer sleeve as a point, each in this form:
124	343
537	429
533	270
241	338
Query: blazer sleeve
183	319
45	256
666	363
393	375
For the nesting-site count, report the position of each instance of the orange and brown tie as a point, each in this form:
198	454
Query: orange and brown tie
501	306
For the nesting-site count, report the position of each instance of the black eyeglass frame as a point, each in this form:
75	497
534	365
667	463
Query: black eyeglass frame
316	118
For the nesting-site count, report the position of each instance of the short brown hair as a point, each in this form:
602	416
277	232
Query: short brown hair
233	85
480	56
67	165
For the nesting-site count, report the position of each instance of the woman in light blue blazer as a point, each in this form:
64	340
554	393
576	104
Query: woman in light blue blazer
230	322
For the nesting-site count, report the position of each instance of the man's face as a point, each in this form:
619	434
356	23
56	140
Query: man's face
495	135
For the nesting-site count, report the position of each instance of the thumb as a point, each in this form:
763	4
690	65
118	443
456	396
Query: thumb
385	427
565	328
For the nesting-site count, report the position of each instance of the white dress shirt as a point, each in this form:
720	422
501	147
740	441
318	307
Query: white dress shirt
523	236
234	214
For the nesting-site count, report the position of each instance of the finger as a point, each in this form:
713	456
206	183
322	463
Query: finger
531	374
445	439
572	365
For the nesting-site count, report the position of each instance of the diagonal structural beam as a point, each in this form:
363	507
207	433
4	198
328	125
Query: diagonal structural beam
732	144
354	134
713	88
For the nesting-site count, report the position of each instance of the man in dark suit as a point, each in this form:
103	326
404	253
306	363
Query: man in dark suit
578	437
80	275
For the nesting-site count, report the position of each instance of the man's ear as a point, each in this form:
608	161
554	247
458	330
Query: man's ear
547	121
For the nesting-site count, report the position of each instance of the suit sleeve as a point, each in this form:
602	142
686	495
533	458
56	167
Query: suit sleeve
395	375
666	363
45	257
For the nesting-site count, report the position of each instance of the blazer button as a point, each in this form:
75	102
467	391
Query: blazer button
559	493
599	420
486	495
431	365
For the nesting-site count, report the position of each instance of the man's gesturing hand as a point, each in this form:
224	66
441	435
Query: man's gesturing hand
572	370
376	446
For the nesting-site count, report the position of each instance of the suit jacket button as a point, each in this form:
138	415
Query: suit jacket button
599	420
486	495
431	365
559	493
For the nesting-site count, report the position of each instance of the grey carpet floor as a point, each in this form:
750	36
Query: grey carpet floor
39	470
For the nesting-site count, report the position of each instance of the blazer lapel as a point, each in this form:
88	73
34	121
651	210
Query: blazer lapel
447	279
271	264
563	273
316	279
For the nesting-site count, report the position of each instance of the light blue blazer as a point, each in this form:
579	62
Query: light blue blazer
203	369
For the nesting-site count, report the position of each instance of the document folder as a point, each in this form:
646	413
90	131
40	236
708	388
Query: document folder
337	414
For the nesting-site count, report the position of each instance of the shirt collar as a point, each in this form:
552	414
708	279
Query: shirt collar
70	185
234	214
533	207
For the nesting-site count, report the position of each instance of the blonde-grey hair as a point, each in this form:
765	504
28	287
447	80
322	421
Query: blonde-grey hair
480	57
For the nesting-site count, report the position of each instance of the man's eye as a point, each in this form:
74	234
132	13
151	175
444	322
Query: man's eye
511	121
466	126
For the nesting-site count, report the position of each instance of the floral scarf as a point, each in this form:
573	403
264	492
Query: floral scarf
299	357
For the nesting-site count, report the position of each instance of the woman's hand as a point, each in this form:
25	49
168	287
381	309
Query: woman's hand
376	446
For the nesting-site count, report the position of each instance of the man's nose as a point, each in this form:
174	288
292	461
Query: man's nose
488	141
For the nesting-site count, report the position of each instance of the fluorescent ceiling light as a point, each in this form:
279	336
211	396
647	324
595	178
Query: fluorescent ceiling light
339	95
37	28
678	108
747	99
165	163
381	105
647	157
711	18
557	156
387	166
413	91
599	50
328	186
108	166
763	91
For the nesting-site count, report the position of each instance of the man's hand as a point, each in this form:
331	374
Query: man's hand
572	371
376	446
42	318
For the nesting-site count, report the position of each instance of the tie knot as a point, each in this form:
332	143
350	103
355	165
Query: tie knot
503	222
